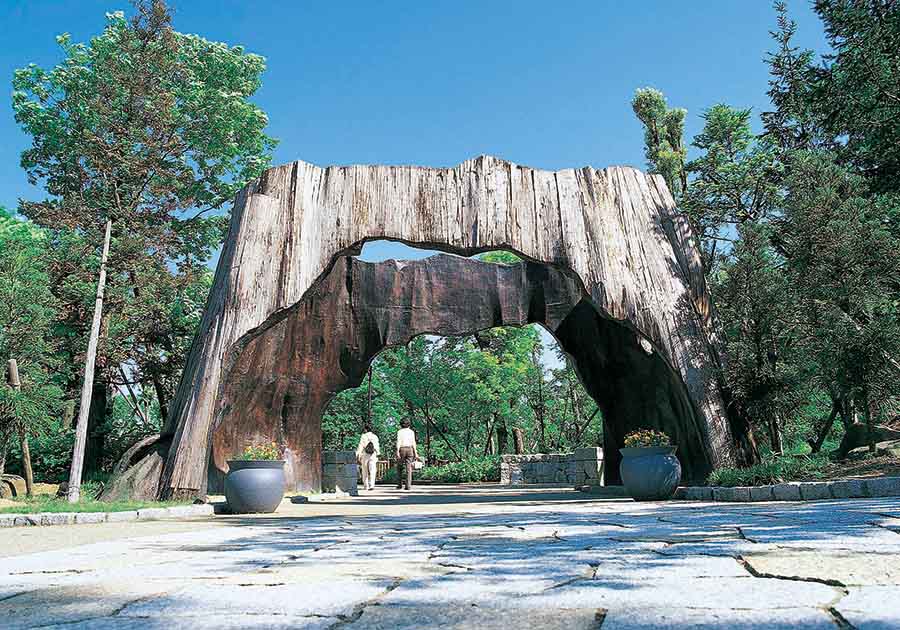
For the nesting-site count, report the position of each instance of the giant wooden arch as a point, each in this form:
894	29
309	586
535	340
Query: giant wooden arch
614	234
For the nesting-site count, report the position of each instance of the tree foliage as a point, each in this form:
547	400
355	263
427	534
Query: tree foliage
153	130
663	137
798	226
28	311
465	397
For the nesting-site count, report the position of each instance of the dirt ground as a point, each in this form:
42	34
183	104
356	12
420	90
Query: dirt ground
861	467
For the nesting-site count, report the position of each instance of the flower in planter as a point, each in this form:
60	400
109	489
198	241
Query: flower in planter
260	452
644	438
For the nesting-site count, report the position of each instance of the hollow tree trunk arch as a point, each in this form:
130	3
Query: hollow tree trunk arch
616	229
278	385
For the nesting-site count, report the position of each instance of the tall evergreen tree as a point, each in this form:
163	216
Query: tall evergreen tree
142	133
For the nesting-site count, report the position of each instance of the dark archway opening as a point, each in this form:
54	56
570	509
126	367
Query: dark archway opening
279	382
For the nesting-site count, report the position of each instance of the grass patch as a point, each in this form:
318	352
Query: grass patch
46	503
774	470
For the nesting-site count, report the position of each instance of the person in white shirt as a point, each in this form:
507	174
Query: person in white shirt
367	453
406	454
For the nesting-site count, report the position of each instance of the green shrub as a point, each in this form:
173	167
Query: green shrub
51	454
774	470
470	470
92	488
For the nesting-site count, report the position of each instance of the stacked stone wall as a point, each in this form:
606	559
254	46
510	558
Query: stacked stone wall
583	467
340	472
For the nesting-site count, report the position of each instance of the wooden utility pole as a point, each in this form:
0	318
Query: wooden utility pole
74	493
12	378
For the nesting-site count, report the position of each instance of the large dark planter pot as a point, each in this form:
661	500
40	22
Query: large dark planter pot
255	486
651	473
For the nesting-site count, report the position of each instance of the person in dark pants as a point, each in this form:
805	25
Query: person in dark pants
406	454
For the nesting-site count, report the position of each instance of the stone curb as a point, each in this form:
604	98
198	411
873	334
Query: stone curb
795	491
79	518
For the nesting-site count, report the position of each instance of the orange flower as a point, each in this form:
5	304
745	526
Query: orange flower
646	437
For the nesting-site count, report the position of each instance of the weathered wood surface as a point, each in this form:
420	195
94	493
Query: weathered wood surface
279	385
616	229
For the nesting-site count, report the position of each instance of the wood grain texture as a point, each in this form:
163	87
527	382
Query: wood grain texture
280	384
616	229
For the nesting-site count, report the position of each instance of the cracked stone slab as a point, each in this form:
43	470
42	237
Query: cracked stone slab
212	622
467	616
861	537
328	598
670	617
871	607
720	593
830	566
728	547
69	604
297	572
678	534
479	587
660	567
527	565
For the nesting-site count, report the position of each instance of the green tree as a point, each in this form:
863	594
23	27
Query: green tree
835	126
793	122
733	181
148	132
27	316
857	89
756	308
663	138
731	191
844	264
466	396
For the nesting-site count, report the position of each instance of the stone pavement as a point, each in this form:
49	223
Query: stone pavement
474	558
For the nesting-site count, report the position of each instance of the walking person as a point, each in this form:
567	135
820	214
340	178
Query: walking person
406	454
367	453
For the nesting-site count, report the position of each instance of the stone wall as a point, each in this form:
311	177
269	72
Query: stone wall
581	468
588	466
339	472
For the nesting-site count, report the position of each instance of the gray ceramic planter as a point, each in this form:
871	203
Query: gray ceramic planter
651	473
255	486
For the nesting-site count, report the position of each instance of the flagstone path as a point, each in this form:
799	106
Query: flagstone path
492	558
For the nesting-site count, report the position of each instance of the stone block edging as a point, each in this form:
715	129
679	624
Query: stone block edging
795	491
79	518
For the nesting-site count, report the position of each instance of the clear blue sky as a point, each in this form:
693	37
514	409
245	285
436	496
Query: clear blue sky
433	83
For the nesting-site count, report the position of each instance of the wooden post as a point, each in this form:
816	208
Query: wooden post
26	465
74	493
12	378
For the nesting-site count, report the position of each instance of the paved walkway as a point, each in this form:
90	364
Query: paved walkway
477	557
